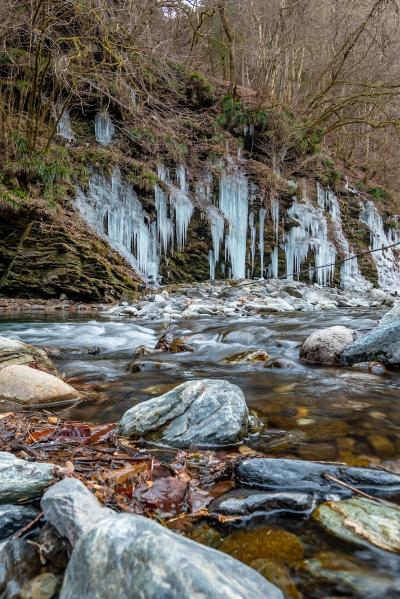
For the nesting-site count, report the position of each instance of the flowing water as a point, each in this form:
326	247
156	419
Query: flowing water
320	413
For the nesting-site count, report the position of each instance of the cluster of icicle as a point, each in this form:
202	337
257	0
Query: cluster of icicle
103	127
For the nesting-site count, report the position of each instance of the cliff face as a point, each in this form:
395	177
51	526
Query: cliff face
214	206
45	256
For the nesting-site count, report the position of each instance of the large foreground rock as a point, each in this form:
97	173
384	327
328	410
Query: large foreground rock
29	386
72	509
324	347
22	480
130	556
362	521
392	316
303	476
204	412
16	352
380	345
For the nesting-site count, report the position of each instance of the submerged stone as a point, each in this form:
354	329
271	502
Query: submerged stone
29	386
203	412
303	476
132	556
379	345
263	543
244	502
22	480
362	521
279	575
351	576
248	357
324	347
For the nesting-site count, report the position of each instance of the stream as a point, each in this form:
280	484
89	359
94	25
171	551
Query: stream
311	413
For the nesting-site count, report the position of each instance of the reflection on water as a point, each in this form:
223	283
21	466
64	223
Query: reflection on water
311	413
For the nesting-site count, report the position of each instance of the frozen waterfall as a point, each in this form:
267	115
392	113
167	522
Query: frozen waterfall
233	203
104	128
261	245
64	127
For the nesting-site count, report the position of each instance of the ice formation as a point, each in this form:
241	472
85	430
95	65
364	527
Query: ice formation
104	128
64	127
350	275
261	245
387	263
233	203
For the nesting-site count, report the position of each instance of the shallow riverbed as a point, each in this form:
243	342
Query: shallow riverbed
332	414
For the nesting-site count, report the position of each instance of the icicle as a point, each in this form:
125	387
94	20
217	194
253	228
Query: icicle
386	262
164	224
64	127
104	128
112	208
183	208
252	241
274	262
261	233
275	217
350	275
211	262
233	203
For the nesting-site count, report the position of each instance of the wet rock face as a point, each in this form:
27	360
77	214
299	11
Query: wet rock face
137	557
14	352
20	479
324	347
204	412
243	503
302	476
380	345
72	509
362	521
29	386
15	517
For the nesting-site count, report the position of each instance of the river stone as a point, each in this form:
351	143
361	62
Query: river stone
72	509
392	316
29	386
324	347
248	357
308	477
379	345
351	576
19	562
20	479
14	352
15	517
201	412
132	556
243	502
362	521
42	586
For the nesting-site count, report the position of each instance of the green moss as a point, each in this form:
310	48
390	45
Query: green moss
199	91
379	193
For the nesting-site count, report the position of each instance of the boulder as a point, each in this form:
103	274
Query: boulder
72	509
201	412
362	521
392	316
29	386
22	480
14	352
379	345
131	556
244	502
325	346
311	477
15	517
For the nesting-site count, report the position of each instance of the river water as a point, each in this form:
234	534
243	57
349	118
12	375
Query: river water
320	413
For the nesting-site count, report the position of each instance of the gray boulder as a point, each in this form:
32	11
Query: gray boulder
205	412
20	479
29	386
379	345
324	347
244	502
130	556
72	509
311	477
15	517
392	316
14	352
